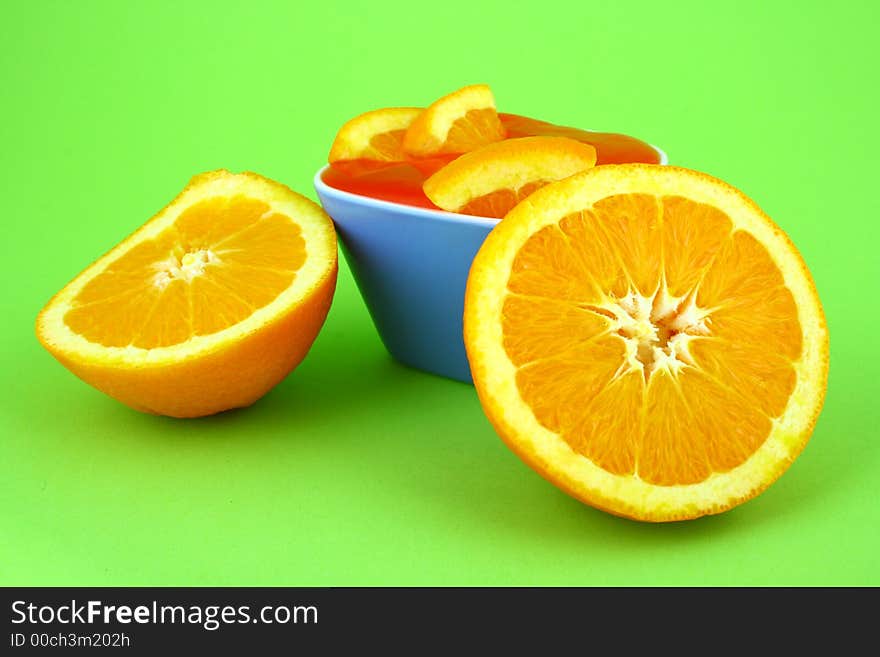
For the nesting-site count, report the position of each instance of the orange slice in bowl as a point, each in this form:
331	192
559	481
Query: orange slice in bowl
488	182
460	122
205	307
648	340
376	135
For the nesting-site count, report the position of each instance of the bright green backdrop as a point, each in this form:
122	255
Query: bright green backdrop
356	470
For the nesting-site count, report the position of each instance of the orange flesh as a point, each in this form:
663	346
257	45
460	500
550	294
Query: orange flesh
669	424
222	259
401	182
388	145
476	128
500	202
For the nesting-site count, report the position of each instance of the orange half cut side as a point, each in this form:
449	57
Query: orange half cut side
207	306
648	340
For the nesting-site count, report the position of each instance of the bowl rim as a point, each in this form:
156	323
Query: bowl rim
442	215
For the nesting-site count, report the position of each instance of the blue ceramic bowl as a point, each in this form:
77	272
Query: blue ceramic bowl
411	266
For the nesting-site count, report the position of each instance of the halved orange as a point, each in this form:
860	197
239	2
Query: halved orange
205	307
648	340
457	123
376	135
489	181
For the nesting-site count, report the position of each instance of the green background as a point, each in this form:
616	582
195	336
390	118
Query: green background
356	470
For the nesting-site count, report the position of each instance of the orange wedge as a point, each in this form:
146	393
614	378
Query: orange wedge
205	307
460	122
376	135
648	340
489	181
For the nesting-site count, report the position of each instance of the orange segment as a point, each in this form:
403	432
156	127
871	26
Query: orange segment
744	284
765	379
600	266
556	387
376	135
702	228
206	306
167	322
489	181
546	327
460	122
768	322
215	307
742	269
113	321
631	223
731	429
273	243
546	266
648	340
670	450
610	426
495	205
207	222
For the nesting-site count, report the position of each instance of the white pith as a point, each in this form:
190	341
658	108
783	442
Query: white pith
656	329
186	267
